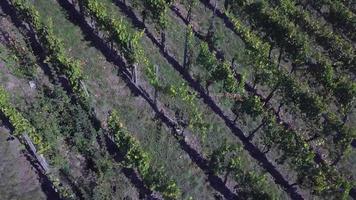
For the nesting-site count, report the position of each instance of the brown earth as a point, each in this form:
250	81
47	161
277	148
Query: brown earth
18	179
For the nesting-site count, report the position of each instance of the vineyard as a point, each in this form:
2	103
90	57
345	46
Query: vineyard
177	99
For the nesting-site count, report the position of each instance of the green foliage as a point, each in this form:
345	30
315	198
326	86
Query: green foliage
225	160
300	156
156	10
252	40
53	46
292	147
288	36
311	104
196	121
250	105
18	59
345	93
126	39
338	48
339	15
267	73
22	126
219	159
218	71
135	157
206	58
150	71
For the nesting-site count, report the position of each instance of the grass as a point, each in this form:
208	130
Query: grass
164	149
214	139
36	107
110	93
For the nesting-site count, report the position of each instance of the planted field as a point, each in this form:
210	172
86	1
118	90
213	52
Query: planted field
177	99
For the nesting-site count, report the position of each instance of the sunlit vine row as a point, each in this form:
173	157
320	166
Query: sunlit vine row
135	157
53	46
130	38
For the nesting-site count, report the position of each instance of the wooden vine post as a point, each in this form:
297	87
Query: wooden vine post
155	88
42	161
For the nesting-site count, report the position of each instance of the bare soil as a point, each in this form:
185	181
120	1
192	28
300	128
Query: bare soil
18	179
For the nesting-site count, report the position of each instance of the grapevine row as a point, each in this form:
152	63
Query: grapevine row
297	44
97	10
339	48
156	10
22	126
136	157
251	148
182	91
220	73
267	73
339	15
119	32
293	147
54	47
208	58
189	98
225	160
317	176
253	106
55	50
210	62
